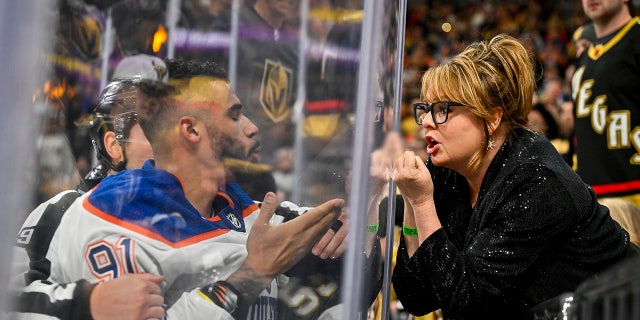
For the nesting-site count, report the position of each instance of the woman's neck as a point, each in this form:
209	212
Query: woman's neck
475	177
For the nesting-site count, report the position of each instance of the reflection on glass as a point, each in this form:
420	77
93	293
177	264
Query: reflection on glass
87	51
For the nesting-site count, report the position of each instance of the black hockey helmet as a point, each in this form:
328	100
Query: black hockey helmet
116	104
114	113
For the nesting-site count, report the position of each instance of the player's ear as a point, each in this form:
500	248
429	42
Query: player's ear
113	147
190	128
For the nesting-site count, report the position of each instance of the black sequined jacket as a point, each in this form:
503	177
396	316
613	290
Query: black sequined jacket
536	232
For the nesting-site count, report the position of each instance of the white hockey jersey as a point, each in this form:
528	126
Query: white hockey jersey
140	221
33	292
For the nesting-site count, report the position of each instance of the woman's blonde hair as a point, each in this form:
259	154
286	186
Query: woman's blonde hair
487	75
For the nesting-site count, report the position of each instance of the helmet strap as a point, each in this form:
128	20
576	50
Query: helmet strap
122	164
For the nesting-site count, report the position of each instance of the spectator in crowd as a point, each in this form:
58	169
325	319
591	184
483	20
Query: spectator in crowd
267	66
551	96
607	102
541	120
283	172
488	229
583	37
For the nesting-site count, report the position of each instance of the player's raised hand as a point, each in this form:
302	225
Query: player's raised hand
273	249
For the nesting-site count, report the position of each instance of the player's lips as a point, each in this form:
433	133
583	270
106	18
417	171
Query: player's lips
254	153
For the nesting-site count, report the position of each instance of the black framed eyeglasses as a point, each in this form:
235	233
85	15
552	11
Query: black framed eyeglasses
439	111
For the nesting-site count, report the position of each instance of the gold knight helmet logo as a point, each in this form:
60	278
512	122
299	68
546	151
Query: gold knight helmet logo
276	90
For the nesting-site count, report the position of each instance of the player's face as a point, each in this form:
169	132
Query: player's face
231	130
250	130
138	148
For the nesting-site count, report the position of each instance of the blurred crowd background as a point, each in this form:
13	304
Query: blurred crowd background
435	31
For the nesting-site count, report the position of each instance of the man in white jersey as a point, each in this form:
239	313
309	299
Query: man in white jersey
167	220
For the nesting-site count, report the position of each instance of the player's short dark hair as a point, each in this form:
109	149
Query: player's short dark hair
155	118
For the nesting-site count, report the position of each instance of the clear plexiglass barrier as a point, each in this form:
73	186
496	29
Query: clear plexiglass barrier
320	83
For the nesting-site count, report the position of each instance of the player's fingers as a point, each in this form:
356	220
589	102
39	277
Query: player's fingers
330	212
155	309
153	281
330	250
156	312
152	288
338	251
338	243
337	227
154	278
318	248
321	217
267	209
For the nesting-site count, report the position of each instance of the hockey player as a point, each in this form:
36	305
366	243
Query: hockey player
119	144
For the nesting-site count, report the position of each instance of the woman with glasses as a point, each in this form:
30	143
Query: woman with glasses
495	222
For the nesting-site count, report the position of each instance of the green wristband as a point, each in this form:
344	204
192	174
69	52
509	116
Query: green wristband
411	232
373	228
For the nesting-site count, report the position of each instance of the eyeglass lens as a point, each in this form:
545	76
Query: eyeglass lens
439	111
